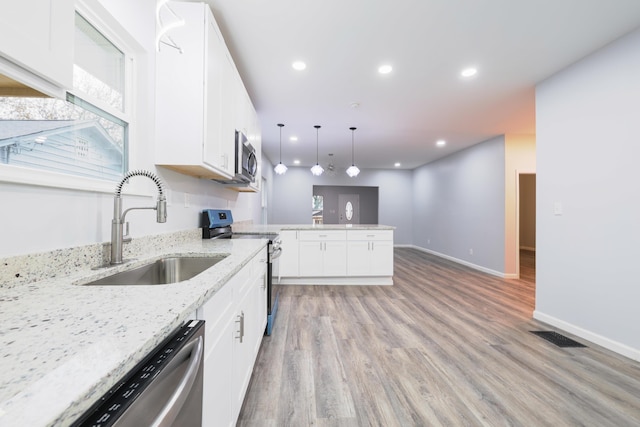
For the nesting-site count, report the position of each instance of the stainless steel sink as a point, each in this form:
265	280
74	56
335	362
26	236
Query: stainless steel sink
161	272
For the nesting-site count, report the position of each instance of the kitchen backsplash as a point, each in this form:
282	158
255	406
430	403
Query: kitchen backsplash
25	269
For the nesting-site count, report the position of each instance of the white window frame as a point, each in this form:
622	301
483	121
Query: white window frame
104	22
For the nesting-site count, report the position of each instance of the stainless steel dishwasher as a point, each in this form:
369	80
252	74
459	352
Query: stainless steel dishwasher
163	390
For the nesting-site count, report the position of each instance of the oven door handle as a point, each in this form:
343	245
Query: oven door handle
172	408
276	253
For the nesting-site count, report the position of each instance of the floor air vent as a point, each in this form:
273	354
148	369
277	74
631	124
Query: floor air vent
557	339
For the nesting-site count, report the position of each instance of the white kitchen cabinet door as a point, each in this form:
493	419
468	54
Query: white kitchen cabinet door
381	258
194	99
288	261
38	35
217	407
218	357
311	258
242	351
359	255
335	258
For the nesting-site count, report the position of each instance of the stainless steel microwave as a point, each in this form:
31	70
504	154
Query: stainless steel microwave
246	160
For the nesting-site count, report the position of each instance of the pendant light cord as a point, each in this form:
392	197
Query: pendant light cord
317	155
353	160
280	125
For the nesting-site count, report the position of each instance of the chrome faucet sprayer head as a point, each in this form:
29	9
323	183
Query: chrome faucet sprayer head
161	209
118	216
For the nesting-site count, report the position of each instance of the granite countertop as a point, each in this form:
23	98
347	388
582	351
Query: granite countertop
276	228
63	345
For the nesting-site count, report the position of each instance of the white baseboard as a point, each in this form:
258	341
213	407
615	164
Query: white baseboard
463	262
631	353
341	281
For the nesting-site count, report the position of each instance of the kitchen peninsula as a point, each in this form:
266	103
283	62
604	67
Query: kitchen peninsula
331	254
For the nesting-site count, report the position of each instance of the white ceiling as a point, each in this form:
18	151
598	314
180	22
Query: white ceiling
513	43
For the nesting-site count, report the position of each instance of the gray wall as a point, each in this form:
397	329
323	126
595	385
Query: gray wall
588	210
367	199
459	205
291	203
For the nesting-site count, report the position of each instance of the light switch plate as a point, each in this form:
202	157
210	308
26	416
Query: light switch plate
557	208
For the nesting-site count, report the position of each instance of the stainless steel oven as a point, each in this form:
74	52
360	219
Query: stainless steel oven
164	390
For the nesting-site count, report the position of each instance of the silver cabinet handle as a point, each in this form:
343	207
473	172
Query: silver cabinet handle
241	321
171	409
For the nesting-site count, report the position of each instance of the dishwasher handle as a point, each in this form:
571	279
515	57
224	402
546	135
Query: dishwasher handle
171	409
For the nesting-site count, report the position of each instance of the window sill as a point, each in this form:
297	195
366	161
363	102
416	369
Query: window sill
25	176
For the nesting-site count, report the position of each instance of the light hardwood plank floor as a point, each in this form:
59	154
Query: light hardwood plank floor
445	346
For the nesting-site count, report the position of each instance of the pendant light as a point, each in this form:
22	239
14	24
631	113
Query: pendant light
280	169
317	169
353	170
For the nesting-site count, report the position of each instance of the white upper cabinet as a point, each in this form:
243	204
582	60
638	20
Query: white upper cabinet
200	99
37	35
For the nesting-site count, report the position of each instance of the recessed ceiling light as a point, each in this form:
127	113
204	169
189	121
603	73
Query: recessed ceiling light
293	138
469	72
441	143
385	69
296	162
397	164
299	65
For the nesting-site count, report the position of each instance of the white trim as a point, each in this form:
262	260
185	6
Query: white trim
341	281
43	178
615	346
30	79
465	263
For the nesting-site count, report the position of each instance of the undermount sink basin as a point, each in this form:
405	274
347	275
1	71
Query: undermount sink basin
161	272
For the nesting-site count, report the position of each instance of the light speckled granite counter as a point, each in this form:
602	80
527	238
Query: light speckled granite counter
276	228
64	345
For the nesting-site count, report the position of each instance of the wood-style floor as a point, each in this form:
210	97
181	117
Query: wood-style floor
445	346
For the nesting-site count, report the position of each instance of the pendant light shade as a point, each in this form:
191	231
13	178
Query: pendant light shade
280	169
317	169
353	170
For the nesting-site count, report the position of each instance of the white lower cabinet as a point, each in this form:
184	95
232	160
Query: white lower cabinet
323	253
287	265
352	256
370	253
235	323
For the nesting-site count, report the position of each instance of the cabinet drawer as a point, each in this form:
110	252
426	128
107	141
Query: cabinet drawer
323	235
370	235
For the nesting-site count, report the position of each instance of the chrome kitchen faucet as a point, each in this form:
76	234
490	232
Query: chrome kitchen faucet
118	222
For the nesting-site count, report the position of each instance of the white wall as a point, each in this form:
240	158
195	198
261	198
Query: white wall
588	148
459	205
292	192
36	219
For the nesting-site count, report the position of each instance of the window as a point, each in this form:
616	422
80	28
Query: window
84	135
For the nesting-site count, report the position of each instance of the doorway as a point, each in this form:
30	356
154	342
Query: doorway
526	227
363	207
